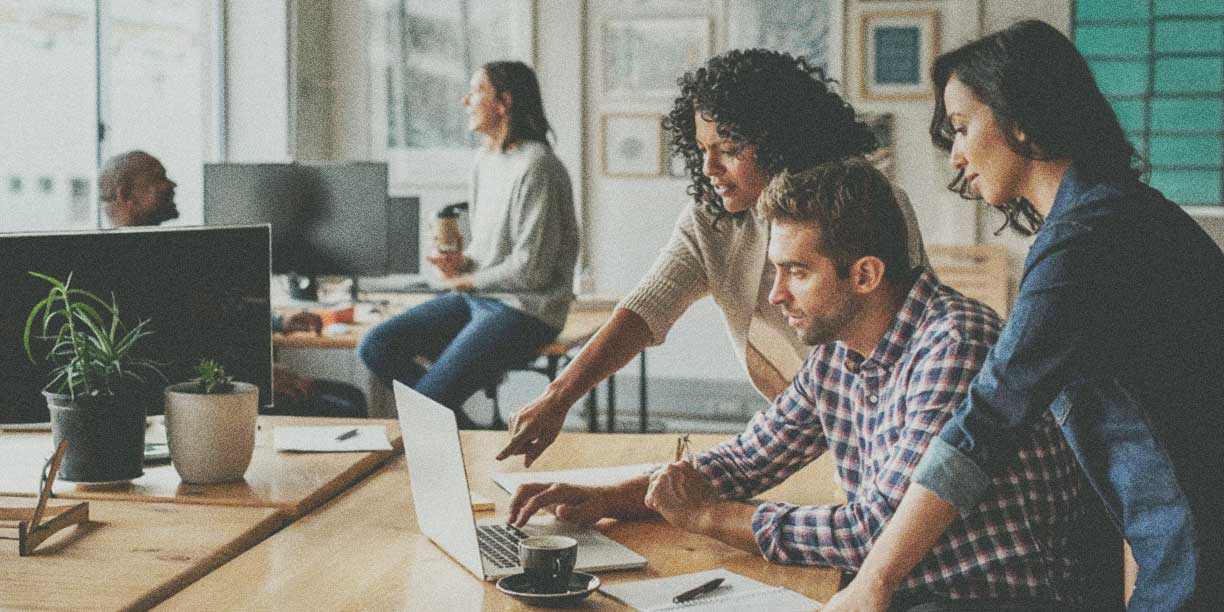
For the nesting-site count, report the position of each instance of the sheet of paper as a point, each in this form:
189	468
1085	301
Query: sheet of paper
510	481
330	438
481	503
736	593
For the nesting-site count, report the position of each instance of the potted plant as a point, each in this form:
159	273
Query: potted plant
93	393
210	425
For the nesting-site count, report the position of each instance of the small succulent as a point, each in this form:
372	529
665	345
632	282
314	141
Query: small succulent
210	377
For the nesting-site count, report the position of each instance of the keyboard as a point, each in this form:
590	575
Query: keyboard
499	544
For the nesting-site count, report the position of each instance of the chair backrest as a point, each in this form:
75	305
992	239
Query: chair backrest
979	271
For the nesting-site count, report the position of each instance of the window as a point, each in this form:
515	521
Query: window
1161	65
149	88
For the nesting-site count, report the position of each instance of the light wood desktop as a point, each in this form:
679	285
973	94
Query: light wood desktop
363	550
130	556
292	482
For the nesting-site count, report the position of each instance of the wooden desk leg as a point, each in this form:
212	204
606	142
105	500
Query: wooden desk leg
592	406
611	385
642	392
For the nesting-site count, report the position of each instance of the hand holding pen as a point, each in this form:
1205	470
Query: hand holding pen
677	489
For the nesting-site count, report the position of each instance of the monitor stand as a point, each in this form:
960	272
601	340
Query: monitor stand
303	287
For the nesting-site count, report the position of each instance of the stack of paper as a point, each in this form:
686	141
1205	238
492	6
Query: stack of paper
510	481
737	593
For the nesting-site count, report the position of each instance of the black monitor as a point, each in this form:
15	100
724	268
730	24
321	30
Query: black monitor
328	218
204	290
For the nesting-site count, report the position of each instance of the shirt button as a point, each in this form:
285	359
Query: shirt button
873	398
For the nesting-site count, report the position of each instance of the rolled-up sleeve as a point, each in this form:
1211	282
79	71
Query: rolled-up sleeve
1039	351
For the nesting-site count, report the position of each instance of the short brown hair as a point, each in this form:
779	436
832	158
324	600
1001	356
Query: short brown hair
853	208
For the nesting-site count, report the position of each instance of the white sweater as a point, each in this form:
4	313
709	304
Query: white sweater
730	264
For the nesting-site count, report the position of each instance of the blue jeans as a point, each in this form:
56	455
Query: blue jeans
471	341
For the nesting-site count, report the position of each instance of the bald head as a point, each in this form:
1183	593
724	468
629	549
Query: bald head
135	190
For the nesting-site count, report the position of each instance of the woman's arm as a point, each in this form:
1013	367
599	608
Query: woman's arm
534	426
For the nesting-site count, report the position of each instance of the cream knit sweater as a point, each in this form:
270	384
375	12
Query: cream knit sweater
730	264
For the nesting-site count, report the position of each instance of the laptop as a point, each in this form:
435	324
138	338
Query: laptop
443	503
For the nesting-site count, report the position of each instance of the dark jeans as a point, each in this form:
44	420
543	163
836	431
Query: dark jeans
471	341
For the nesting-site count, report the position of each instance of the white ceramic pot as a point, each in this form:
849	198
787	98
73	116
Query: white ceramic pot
211	436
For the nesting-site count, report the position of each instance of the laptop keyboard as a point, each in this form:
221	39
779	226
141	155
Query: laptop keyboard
499	544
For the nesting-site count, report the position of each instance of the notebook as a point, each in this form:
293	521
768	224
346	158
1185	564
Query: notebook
510	481
736	594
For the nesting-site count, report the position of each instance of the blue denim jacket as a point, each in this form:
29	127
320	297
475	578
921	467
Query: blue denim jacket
1119	331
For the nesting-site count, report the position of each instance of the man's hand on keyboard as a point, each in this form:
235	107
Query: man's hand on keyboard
570	503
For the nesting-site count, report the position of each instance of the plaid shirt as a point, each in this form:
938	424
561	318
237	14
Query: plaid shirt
877	415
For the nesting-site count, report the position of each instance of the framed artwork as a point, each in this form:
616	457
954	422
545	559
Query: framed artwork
885	157
811	28
631	144
896	50
643	56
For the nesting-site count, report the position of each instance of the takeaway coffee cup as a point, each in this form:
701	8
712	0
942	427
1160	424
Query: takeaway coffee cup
548	561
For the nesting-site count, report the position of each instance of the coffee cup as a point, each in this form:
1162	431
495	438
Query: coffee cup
549	562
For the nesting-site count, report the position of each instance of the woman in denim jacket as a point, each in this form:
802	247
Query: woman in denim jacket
1118	328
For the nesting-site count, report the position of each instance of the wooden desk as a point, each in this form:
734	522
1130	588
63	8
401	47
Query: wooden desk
363	550
130	555
292	482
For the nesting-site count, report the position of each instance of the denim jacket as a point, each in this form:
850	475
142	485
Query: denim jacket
1118	329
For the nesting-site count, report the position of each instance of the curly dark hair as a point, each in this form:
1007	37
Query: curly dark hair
781	104
1035	81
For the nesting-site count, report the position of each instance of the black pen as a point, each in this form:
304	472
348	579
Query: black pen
352	433
692	594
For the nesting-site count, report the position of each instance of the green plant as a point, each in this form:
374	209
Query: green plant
211	377
92	351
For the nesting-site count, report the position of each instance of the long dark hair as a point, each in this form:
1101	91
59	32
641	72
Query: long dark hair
781	104
1035	81
527	120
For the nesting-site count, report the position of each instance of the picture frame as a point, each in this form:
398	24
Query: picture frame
896	50
811	28
631	144
643	56
885	157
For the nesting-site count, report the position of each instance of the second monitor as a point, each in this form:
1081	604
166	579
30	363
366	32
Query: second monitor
328	218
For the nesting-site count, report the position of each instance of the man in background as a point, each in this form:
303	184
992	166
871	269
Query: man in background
135	192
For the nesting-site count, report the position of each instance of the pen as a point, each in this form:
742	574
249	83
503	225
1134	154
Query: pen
694	593
684	449
352	433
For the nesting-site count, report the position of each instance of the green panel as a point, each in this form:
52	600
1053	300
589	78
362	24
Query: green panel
1121	78
1087	10
1188	186
1136	141
1189	36
1180	115
1130	114
1186	151
1189	7
1113	40
1189	74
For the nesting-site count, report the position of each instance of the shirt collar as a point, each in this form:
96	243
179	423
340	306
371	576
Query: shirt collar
895	341
1074	189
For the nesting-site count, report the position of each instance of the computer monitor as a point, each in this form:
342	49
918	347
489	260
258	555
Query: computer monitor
204	291
329	218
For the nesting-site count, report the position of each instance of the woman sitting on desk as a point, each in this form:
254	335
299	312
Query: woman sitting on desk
511	293
739	120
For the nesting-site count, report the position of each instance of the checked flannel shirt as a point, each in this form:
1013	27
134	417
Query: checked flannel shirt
877	414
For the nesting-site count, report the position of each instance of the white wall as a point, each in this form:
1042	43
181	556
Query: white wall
628	220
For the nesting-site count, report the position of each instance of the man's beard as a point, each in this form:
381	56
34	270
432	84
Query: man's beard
164	213
826	329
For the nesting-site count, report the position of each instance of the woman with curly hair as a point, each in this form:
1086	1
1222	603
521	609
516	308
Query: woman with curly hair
744	117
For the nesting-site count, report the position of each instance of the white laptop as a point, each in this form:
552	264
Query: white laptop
443	504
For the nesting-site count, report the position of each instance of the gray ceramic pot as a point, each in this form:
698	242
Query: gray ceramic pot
105	436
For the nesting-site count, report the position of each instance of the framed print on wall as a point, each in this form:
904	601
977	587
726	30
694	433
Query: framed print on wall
896	50
811	28
643	56
631	144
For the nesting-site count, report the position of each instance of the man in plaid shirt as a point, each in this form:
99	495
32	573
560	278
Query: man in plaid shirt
895	351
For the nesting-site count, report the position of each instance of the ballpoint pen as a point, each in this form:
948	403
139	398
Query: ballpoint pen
352	433
694	593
